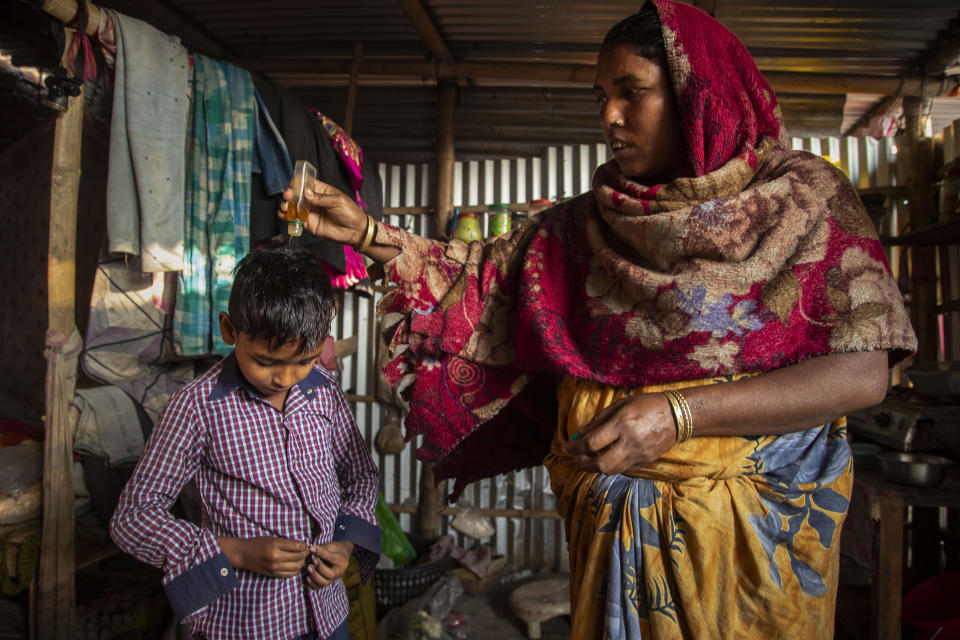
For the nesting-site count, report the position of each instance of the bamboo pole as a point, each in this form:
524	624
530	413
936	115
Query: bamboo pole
445	152
55	605
154	12
432	497
352	88
64	10
550	73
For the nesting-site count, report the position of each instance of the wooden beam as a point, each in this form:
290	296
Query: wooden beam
886	591
426	28
315	71
917	86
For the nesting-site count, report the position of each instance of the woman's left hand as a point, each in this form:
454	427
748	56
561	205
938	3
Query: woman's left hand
630	433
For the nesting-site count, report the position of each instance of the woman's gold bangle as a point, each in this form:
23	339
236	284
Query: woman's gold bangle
681	414
368	235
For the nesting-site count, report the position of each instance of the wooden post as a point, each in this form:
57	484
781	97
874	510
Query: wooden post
446	105
919	179
432	498
886	592
352	88
55	606
431	503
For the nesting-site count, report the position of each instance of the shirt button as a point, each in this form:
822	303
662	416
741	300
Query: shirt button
224	572
342	527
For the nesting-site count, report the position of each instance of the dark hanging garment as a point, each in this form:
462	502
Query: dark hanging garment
372	189
305	140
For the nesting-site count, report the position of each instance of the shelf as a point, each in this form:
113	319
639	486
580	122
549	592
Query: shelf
942	233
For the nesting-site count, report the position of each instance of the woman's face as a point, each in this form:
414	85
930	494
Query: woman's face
639	116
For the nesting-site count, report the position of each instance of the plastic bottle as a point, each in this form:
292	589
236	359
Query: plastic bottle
499	219
468	228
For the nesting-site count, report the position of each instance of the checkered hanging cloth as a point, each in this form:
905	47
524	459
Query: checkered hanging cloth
217	226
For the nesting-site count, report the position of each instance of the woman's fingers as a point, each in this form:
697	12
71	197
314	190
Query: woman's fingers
597	435
630	433
614	459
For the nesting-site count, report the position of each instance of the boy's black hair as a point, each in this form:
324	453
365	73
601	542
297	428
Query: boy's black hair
282	295
642	33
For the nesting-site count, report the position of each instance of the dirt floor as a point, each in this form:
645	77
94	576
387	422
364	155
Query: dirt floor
489	615
485	616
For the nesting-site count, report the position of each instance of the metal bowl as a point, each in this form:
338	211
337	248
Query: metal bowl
936	378
917	469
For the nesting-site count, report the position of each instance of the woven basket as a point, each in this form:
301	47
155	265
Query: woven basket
394	587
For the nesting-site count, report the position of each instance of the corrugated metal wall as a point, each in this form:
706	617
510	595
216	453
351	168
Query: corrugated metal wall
561	171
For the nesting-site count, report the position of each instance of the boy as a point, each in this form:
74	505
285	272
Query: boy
288	486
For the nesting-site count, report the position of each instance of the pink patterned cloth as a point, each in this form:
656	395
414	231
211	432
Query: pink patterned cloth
763	258
351	155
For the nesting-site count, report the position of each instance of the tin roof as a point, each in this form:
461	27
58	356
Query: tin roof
523	67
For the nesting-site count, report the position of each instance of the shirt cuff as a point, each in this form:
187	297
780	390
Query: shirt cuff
194	589
365	538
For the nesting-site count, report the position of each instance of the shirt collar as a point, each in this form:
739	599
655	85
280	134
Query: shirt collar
231	378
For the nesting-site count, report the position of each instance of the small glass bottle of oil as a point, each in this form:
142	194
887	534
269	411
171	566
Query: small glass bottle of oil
304	175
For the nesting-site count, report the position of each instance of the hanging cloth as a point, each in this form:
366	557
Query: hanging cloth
217	202
85	66
148	134
351	157
55	573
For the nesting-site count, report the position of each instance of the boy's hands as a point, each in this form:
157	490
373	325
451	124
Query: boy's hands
329	563
266	555
283	558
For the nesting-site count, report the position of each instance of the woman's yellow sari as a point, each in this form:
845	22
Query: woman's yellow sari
720	538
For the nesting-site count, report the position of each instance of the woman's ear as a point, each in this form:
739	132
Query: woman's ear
227	331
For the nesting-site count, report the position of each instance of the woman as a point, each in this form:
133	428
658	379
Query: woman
679	346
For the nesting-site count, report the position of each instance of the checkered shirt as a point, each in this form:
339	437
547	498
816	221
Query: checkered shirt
303	474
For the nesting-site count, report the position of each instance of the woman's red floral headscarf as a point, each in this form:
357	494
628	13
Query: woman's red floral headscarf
763	258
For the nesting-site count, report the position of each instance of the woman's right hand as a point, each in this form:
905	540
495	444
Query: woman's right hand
331	214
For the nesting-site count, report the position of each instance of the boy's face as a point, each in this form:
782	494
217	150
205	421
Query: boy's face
271	372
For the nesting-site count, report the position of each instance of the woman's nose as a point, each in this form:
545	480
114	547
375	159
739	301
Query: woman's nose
611	117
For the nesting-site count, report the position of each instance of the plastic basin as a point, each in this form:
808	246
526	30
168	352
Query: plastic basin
932	607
